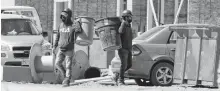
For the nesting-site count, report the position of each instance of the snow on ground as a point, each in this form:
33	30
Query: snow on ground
94	86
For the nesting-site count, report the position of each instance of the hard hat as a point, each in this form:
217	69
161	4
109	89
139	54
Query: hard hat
126	13
68	11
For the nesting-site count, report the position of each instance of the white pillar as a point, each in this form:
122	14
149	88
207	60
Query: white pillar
149	16
119	7
130	5
58	8
55	15
176	5
71	6
188	3
162	12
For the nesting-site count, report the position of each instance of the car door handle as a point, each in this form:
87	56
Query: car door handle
173	49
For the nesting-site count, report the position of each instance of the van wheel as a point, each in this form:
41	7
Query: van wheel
141	82
162	74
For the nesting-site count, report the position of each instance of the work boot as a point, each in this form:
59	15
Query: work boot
121	83
115	78
66	82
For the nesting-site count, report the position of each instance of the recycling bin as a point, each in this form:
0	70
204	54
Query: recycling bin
197	55
107	29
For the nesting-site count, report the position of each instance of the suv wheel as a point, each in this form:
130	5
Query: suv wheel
162	74
142	82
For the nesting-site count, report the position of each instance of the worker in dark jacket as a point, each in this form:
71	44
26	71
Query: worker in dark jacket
126	40
65	40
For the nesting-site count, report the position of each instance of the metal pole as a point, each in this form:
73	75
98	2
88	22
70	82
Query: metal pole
178	11
154	13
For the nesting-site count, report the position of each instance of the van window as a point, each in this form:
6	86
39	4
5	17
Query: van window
10	27
27	13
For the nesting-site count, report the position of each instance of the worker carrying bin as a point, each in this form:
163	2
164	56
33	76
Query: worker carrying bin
197	54
107	29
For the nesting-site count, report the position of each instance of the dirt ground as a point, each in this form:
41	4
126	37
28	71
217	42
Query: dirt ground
95	86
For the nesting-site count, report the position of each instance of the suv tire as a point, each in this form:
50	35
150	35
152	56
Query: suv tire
162	74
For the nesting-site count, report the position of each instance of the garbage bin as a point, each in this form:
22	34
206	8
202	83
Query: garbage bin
86	37
107	29
197	54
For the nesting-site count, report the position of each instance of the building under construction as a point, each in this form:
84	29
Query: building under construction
146	14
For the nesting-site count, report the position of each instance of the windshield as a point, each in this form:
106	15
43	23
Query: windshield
20	12
148	33
10	27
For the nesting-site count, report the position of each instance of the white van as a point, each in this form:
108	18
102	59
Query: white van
18	34
26	11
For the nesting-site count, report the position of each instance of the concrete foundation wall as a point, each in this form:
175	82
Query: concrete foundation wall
44	9
204	11
95	8
92	8
139	10
200	11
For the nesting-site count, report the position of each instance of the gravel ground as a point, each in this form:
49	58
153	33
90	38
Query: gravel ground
94	86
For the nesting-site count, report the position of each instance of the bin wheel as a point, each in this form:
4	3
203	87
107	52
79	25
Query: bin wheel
59	77
142	82
162	74
35	55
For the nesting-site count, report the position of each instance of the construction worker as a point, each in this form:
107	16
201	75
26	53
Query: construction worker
126	40
65	40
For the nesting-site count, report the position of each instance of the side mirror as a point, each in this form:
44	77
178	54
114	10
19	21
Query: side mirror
172	41
44	34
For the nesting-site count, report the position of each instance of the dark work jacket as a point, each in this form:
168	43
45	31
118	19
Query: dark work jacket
126	35
65	38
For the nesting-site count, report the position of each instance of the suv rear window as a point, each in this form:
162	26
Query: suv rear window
11	27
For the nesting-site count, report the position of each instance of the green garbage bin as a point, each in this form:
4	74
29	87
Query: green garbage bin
107	29
197	55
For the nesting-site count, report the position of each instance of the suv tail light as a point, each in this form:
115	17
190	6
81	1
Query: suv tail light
135	50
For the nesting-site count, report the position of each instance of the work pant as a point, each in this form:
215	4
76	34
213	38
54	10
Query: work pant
126	61
68	57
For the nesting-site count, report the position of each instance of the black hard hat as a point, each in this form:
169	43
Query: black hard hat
126	13
68	11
